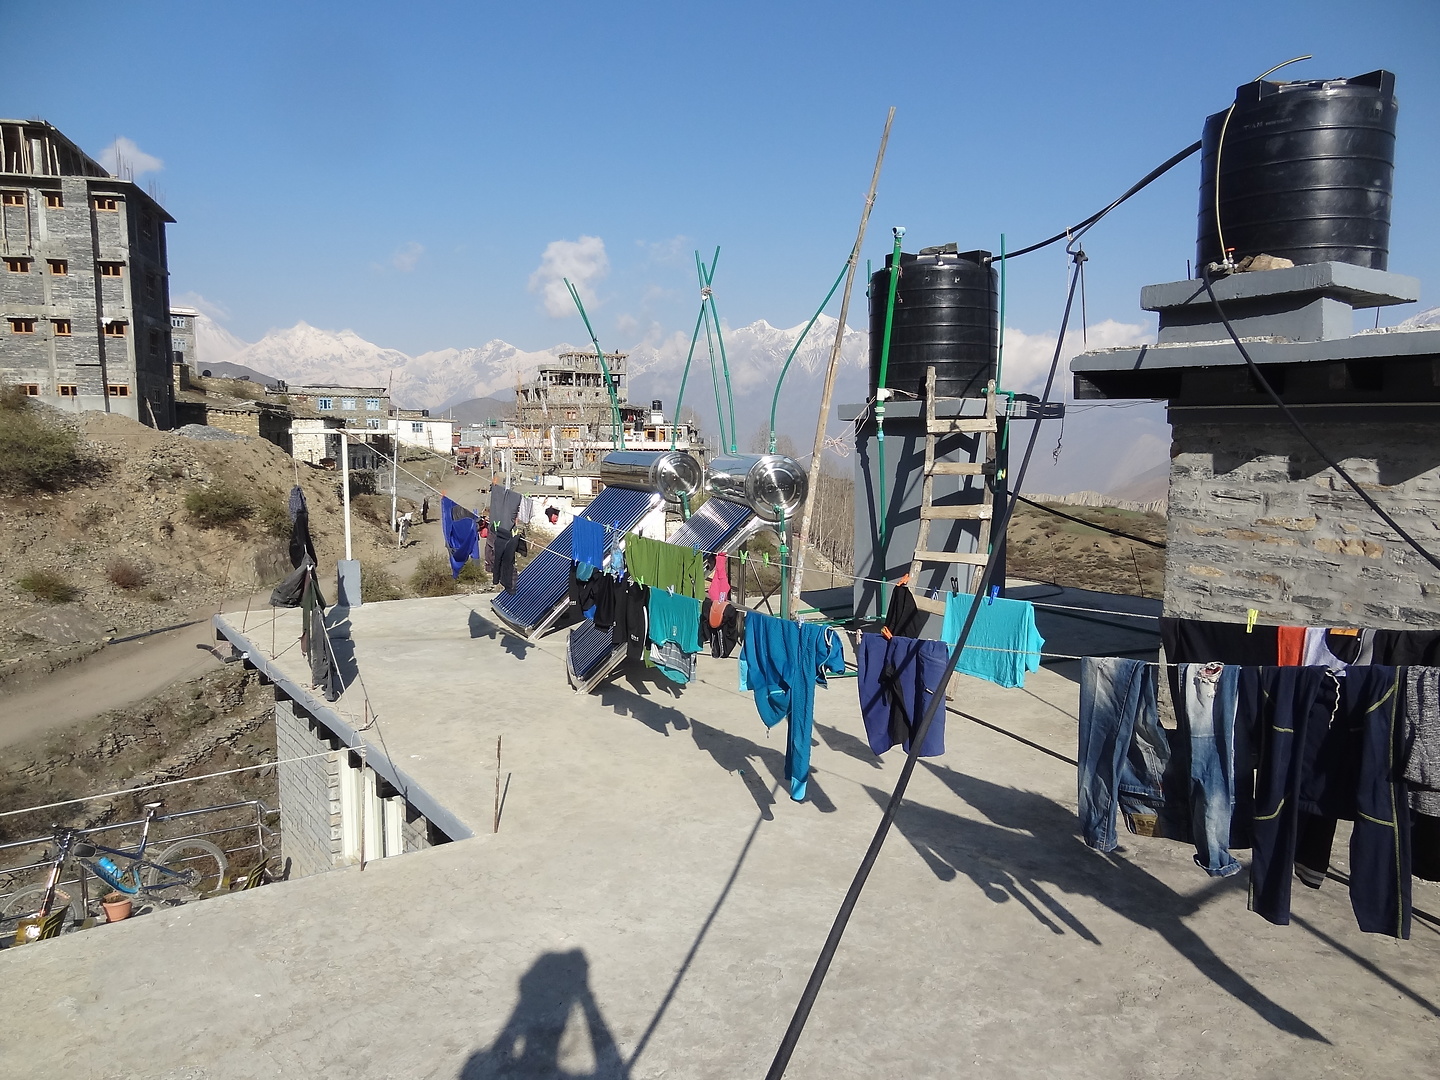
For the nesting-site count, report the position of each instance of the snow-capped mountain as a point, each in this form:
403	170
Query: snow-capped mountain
1119	446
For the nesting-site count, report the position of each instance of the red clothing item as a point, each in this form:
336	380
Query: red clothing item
720	580
1291	645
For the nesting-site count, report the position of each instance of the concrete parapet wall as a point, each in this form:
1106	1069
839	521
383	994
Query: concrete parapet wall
1256	520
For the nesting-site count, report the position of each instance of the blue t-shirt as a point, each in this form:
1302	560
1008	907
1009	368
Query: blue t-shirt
1003	644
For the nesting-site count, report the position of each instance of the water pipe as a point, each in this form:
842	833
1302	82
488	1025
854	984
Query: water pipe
899	232
1000	344
617	432
775	401
715	380
720	337
781	531
685	375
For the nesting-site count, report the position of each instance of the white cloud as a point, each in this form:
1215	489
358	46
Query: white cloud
676	251
406	256
626	324
217	311
1027	356
582	261
127	161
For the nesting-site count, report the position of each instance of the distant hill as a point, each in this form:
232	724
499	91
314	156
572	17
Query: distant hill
1149	486
477	410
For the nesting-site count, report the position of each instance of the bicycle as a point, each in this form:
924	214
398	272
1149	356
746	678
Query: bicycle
186	870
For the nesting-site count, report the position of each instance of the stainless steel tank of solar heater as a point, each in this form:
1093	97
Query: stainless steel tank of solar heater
770	484
672	473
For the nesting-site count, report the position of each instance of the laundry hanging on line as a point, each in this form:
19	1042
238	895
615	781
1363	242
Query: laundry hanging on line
587	542
461	532
665	566
785	661
1268	758
898	677
1003	643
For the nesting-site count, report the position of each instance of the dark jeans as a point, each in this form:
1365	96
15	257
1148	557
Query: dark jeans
1327	746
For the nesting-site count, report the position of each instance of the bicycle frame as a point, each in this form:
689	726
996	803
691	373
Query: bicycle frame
68	845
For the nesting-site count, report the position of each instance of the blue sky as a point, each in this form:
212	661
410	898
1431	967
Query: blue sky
400	169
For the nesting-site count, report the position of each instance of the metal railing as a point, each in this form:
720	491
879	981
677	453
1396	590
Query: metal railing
254	835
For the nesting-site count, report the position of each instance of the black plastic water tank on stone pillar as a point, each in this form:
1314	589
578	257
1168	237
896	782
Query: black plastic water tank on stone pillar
1306	172
946	315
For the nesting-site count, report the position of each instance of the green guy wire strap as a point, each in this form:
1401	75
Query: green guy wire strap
685	375
617	432
775	401
720	337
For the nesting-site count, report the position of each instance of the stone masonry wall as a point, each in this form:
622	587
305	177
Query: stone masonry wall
1258	521
309	793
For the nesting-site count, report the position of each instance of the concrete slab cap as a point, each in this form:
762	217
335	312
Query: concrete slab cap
1358	286
651	906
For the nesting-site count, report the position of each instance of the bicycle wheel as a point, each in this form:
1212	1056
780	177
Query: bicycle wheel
27	902
199	870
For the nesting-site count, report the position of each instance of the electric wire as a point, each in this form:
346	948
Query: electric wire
1079	228
852	897
1301	430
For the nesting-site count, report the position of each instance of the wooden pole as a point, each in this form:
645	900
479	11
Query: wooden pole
498	740
802	538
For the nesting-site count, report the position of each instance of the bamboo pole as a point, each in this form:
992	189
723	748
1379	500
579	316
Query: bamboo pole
803	536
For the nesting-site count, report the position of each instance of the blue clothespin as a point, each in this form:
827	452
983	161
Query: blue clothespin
994	592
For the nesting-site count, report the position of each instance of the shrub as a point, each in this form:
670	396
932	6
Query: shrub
217	506
275	518
432	577
49	586
378	585
124	574
473	574
40	450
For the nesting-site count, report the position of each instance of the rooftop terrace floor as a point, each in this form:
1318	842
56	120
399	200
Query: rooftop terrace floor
651	906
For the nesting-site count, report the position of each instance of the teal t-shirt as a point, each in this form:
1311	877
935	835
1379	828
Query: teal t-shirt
1003	644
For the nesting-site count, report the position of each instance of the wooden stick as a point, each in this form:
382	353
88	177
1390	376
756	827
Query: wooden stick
803	536
498	740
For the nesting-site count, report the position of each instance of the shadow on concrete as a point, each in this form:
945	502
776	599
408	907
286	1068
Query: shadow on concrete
554	995
1030	839
513	644
736	754
842	742
644	695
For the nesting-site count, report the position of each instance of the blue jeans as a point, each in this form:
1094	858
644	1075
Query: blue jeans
1209	692
1124	753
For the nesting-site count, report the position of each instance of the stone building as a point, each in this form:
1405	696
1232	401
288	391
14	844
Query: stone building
183	349
84	288
1257	520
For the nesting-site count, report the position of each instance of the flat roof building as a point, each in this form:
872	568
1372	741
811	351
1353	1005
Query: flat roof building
84	289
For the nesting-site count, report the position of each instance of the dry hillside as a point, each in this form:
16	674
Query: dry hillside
1049	548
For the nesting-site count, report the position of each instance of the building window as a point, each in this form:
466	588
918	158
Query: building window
54	200
20	325
373	423
417	427
111	269
68	391
59	267
30	389
115	328
118	390
106	202
18	266
324	404
177	322
347	404
12	198
61	326
372	404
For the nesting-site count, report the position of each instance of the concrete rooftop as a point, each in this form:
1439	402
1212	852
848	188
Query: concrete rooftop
651	907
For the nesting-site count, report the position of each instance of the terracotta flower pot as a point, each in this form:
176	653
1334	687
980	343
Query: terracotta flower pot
116	905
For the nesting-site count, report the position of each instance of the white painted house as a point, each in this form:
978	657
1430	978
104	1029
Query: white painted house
416	427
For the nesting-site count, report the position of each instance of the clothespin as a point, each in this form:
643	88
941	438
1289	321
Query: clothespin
1250	617
954	584
767	557
994	592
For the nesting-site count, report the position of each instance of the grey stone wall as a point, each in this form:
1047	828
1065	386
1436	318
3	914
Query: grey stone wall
1258	521
309	793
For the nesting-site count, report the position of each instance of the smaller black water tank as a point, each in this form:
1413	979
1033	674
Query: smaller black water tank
946	315
1306	172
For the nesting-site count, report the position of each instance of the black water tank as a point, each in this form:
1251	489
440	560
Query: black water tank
1306	170
946	315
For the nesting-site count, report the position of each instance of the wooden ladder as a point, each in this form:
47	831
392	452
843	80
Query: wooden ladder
983	511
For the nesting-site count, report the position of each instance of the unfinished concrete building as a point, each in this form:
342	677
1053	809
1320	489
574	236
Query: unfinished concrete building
571	393
85	287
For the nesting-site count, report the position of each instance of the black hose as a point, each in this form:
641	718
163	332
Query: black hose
1144	182
1090	524
917	739
1300	429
